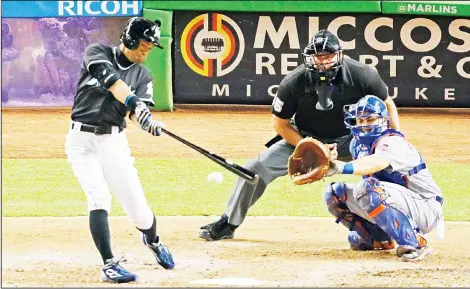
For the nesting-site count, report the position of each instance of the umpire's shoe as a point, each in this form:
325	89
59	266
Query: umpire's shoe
218	230
161	253
358	243
115	273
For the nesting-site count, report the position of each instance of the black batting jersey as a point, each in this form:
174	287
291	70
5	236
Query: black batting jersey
295	99
95	105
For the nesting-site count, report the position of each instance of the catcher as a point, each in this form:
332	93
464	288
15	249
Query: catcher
397	201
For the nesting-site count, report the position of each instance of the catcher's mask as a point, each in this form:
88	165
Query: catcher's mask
138	28
368	107
323	59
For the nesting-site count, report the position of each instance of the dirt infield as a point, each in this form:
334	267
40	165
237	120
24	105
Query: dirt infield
268	252
271	252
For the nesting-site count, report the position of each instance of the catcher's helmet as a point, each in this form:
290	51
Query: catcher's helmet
140	28
369	106
323	42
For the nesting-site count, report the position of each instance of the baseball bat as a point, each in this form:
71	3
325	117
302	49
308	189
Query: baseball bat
225	163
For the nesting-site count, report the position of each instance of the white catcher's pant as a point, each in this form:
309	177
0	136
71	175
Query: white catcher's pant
426	214
102	163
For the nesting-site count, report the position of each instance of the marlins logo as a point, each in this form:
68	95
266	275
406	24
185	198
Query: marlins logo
212	44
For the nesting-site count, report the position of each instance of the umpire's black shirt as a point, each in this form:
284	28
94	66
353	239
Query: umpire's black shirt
95	105
354	81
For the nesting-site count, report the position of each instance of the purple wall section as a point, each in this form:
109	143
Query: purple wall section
41	57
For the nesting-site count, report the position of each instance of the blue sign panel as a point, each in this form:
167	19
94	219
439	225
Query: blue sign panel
31	9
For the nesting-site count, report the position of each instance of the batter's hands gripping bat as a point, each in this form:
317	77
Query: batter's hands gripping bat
227	164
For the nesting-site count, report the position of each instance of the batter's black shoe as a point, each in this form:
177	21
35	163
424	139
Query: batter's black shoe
218	230
161	253
113	272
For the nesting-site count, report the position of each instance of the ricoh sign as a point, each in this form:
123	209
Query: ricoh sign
96	8
424	60
39	9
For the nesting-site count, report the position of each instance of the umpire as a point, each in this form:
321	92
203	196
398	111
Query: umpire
309	102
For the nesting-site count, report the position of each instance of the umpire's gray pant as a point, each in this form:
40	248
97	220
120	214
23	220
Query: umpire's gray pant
269	165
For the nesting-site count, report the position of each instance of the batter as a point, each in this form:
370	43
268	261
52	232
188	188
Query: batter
113	84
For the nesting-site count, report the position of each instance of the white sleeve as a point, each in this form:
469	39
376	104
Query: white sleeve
401	155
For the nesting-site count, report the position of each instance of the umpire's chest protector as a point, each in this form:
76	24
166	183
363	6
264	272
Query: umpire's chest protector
328	123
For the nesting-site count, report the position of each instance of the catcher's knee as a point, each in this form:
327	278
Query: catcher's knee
386	214
369	193
335	198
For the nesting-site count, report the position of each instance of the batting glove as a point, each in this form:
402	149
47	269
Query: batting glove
155	127
143	115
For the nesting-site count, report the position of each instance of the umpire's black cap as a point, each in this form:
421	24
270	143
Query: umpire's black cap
323	41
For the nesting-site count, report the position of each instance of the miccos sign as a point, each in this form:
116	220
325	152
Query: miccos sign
424	60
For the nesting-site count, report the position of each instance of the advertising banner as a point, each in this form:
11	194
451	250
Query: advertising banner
28	9
445	8
42	57
234	57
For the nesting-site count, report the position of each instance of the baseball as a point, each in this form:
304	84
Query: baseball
216	177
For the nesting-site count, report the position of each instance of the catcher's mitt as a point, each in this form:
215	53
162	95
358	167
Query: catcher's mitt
309	162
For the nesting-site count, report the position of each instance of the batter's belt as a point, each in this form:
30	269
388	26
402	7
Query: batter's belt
97	130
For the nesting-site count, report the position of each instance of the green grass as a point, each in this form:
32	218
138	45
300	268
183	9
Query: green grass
32	187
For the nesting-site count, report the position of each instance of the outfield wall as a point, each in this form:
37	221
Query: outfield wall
237	52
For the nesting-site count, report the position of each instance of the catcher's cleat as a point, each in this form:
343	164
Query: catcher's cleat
357	243
161	253
410	254
218	230
115	273
413	254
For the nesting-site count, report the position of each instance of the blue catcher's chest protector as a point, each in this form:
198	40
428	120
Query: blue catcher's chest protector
360	150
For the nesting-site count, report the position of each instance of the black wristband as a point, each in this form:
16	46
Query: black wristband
131	102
